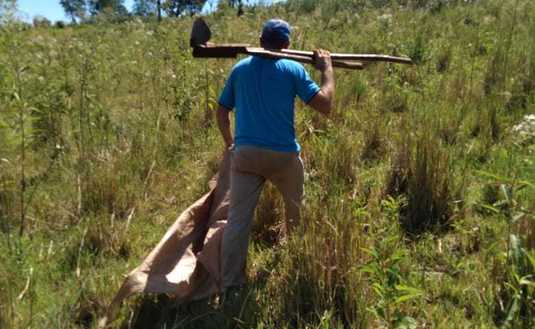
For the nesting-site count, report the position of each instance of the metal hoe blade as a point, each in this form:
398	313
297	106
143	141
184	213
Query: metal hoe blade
200	33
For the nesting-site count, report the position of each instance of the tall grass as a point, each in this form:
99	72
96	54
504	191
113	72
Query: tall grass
107	133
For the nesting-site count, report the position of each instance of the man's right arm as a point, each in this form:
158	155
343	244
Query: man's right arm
323	100
226	103
223	122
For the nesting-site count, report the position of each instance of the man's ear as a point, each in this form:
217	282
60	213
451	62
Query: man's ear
286	45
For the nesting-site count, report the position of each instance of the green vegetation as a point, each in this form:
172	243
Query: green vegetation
420	188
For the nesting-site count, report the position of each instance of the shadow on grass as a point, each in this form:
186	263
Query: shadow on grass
241	310
163	312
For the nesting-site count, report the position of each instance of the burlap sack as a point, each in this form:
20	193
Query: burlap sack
185	263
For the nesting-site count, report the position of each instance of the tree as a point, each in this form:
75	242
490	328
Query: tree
74	8
107	7
145	7
238	4
8	8
180	7
234	3
40	21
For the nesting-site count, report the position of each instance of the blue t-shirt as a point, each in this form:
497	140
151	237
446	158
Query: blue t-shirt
262	92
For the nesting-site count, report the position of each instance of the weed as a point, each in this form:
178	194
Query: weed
515	304
386	274
421	172
107	132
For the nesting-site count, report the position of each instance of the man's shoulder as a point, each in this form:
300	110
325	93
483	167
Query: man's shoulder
291	64
286	65
242	63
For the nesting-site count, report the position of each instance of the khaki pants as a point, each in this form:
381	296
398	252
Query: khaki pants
250	168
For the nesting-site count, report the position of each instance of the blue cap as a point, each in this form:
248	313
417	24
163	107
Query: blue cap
276	30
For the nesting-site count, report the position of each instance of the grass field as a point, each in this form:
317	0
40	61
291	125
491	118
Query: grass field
420	188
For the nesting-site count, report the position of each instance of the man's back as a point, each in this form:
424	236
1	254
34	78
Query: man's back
263	92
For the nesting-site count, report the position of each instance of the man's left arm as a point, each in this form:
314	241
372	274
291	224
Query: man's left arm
223	122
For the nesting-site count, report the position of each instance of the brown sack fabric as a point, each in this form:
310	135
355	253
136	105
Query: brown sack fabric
186	261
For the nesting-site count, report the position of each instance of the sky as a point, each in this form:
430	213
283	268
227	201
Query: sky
52	10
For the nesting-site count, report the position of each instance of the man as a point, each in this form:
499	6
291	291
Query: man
262	92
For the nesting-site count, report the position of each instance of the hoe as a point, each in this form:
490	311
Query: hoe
200	35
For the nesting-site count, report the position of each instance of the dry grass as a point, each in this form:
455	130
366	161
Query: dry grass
119	138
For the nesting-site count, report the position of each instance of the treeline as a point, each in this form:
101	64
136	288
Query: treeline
81	10
90	11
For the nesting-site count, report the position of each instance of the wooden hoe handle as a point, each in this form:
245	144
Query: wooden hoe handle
300	58
200	36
